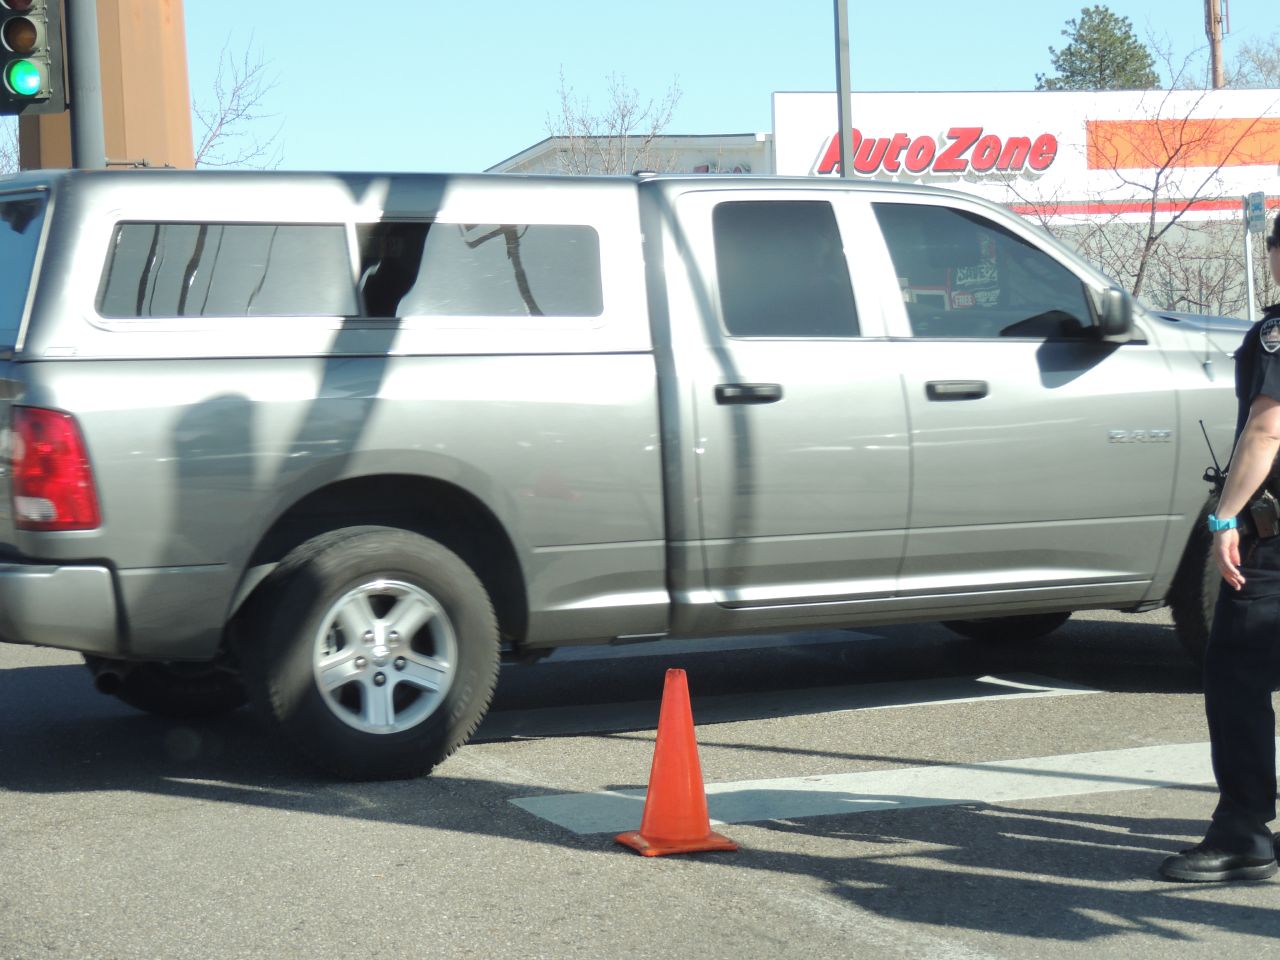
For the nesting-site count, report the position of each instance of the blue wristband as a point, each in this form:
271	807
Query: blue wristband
1215	524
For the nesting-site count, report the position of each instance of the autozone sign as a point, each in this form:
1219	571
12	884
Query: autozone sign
961	151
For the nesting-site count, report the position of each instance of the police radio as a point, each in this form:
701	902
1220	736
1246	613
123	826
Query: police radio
1213	475
1264	508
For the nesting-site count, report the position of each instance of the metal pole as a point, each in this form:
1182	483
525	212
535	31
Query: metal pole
842	88
1248	263
1213	30
88	141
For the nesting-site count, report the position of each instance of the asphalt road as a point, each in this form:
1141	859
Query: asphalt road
895	793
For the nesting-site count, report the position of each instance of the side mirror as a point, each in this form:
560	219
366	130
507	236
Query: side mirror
1115	313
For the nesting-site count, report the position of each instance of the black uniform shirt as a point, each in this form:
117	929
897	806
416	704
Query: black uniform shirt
1258	364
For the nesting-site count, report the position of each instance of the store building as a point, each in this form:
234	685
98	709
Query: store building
1148	184
1059	156
740	153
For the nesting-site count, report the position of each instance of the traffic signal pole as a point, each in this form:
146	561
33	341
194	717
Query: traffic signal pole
88	139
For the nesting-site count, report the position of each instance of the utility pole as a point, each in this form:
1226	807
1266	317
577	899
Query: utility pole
1216	23
842	88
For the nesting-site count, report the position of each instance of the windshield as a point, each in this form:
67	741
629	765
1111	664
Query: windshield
20	221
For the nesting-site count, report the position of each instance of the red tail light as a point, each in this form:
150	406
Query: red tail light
52	479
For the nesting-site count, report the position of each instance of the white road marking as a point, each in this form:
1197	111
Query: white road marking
998	781
731	708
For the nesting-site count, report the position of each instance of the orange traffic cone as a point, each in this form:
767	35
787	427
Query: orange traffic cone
675	808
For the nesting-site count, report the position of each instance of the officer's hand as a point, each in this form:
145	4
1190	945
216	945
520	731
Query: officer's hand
1226	553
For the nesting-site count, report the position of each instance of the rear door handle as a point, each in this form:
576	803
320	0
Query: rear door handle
942	390
748	392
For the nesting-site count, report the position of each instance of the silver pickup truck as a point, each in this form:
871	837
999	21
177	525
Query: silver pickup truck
338	443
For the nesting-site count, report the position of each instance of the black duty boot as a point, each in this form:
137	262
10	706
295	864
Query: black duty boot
1205	863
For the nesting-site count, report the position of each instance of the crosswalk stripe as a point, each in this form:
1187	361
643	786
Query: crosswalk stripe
997	781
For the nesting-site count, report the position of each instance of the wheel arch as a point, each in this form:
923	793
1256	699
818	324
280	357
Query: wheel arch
1197	540
434	508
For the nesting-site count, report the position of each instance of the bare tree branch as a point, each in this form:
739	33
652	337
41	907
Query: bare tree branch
9	154
227	126
1167	196
229	134
1191	72
622	138
1257	64
1165	257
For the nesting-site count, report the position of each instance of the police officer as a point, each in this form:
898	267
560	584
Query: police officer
1242	661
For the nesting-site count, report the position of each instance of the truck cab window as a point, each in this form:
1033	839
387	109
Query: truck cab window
782	270
962	275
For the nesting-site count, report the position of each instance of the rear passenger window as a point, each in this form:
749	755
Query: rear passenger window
781	270
962	275
419	268
227	270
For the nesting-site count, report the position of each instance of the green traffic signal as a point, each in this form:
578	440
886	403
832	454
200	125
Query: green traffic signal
31	57
23	78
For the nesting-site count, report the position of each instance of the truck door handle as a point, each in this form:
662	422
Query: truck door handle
748	392
942	390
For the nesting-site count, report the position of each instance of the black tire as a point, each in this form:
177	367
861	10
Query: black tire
1009	629
395	706
1194	592
182	691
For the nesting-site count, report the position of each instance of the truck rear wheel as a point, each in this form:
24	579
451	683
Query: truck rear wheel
374	651
1008	629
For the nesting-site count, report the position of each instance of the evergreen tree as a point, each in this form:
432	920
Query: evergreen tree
1102	53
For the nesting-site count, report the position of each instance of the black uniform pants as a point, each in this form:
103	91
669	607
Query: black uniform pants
1242	668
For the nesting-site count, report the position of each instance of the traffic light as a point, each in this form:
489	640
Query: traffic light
31	79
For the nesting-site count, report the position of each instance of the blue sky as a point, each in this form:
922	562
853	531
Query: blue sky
459	85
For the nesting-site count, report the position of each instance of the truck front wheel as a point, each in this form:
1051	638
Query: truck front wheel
374	651
1194	593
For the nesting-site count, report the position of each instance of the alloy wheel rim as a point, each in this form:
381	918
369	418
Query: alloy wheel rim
384	656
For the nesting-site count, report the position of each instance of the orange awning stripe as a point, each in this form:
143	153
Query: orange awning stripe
1071	208
1153	144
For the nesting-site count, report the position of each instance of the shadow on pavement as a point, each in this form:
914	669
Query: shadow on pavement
1118	656
1017	870
1024	870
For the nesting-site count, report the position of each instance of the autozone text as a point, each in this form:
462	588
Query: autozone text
963	150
